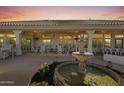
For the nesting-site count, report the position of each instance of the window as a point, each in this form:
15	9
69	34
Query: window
119	43
67	37
107	42
85	36
13	41
47	41
1	35
119	36
1	41
98	36
81	35
11	35
107	35
60	37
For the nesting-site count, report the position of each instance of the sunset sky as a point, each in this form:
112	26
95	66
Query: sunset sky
60	13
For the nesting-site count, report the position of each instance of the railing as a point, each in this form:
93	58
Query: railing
114	55
6	52
114	51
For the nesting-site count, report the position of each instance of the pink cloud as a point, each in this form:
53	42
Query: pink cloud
114	12
118	10
55	12
8	13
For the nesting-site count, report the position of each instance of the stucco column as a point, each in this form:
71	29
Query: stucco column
90	37
18	42
112	40
80	43
32	43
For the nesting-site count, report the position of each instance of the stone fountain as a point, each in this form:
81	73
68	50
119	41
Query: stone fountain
77	73
82	57
82	72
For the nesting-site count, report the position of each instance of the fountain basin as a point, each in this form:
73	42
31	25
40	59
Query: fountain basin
68	74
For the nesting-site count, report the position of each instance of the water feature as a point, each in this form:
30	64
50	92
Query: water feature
76	73
83	73
93	75
67	73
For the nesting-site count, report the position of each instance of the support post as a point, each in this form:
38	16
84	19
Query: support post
90	40
18	42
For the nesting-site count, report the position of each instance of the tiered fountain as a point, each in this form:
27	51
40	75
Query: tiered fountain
83	73
77	72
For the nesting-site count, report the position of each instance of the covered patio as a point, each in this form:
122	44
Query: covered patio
25	45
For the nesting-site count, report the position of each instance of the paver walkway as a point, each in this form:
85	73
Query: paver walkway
18	71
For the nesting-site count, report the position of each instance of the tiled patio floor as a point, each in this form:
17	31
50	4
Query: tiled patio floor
19	70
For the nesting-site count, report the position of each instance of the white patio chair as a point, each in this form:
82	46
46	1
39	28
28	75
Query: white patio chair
122	52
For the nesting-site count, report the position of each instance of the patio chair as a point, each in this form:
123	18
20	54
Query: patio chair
59	49
42	49
107	51
122	52
113	51
5	51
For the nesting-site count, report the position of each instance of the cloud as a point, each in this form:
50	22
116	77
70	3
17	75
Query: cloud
29	13
118	10
9	13
114	12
